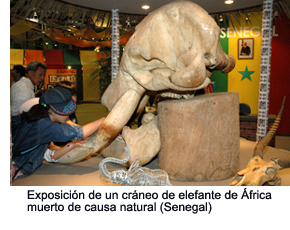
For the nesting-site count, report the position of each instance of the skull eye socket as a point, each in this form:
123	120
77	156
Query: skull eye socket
209	61
270	172
207	56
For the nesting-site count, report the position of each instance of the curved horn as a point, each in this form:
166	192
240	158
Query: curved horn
262	144
281	162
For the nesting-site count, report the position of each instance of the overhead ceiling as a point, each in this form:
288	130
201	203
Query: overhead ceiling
134	6
48	16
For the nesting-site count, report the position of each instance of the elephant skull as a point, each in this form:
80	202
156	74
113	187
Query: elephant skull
174	49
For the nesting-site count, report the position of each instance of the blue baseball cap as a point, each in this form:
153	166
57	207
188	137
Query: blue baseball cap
59	100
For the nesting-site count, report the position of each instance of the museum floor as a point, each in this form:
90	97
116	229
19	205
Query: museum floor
86	172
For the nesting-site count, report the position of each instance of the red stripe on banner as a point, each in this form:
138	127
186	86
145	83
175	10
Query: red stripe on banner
54	59
280	69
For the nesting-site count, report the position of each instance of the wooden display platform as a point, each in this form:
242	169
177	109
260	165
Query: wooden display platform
200	137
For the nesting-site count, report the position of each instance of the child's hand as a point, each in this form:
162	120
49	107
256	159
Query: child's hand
75	144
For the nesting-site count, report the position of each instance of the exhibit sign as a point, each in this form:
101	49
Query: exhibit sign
54	76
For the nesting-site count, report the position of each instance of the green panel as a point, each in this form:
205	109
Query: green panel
72	58
221	79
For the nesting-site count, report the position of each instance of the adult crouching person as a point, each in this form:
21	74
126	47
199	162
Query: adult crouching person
45	123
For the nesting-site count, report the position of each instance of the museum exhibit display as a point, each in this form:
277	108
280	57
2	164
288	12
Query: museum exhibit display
165	70
171	83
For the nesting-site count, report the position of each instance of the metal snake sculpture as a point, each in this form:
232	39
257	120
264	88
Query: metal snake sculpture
135	176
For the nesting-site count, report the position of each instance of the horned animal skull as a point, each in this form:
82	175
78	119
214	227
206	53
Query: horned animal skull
257	173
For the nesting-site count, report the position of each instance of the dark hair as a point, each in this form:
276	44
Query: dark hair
35	113
68	85
20	69
34	65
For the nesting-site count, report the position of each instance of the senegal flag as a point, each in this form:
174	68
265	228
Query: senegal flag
243	41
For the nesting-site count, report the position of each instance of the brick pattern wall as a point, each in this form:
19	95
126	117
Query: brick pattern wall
248	128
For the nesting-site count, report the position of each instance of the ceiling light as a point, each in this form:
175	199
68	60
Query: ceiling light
229	2
145	7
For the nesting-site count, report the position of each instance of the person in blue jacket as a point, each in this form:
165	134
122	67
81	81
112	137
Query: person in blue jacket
45	123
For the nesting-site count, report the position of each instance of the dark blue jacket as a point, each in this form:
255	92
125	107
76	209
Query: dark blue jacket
36	137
